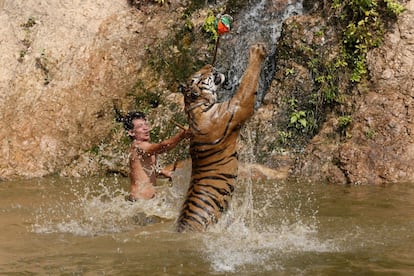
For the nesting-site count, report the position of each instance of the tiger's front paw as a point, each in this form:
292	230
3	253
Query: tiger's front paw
259	51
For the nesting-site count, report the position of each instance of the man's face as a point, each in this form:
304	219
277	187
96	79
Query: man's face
141	131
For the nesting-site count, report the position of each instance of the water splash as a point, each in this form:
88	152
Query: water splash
90	209
238	247
260	22
263	224
272	228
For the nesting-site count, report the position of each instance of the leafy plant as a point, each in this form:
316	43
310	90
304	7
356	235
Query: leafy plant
344	121
370	133
290	71
364	28
284	136
298	119
293	103
209	26
394	8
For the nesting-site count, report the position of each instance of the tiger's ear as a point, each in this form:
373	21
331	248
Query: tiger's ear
182	88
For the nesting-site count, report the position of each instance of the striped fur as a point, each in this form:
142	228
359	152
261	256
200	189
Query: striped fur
215	128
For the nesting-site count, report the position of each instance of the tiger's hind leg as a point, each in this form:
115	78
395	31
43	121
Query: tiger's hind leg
203	206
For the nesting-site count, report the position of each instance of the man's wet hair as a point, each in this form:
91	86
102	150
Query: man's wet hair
128	118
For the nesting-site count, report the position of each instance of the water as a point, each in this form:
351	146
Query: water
85	227
260	22
63	226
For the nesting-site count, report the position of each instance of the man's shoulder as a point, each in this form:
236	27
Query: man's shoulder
141	148
140	144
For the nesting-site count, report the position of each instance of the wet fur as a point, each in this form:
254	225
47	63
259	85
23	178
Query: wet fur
215	128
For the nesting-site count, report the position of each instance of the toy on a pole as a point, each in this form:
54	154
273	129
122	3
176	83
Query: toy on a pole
222	25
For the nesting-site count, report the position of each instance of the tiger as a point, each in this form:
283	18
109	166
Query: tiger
215	129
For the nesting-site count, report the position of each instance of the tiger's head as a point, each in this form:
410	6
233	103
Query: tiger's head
201	88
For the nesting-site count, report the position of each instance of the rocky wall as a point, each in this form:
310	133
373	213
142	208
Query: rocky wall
63	62
378	147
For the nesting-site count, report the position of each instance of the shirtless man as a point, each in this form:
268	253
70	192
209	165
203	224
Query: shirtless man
142	160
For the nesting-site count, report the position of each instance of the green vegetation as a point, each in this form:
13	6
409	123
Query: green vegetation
370	133
325	75
209	26
298	119
344	121
335	66
335	63
363	26
284	137
394	8
174	59
290	71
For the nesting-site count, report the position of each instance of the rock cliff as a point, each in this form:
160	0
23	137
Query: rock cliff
379	144
65	62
